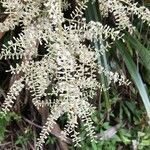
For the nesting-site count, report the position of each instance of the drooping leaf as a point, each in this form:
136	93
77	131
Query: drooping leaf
135	75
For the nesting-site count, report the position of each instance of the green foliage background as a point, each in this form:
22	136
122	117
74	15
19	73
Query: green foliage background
122	112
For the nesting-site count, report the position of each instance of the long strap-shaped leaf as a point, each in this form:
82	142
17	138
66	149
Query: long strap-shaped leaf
91	14
144	53
135	75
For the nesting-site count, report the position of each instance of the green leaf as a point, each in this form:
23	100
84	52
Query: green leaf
94	146
124	135
135	75
143	52
92	14
127	112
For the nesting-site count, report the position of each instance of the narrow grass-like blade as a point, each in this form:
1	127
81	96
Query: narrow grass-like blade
143	52
135	75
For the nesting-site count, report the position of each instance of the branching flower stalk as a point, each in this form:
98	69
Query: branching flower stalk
69	67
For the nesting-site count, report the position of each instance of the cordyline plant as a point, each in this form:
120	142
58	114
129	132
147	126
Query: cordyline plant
69	68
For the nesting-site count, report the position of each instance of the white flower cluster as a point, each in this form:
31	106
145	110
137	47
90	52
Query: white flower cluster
68	68
119	11
14	91
122	11
24	46
65	5
19	11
